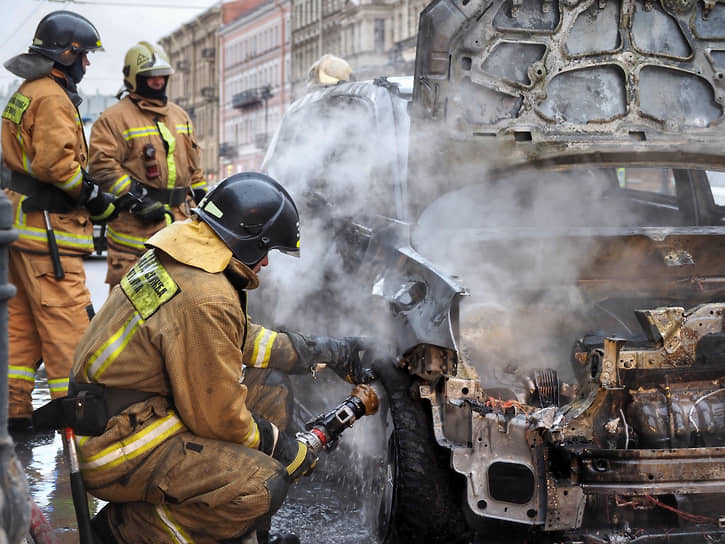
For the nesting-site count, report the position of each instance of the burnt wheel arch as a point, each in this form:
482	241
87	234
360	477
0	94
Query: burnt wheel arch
425	502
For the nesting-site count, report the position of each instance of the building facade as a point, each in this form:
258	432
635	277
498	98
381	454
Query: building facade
193	51
241	62
254	69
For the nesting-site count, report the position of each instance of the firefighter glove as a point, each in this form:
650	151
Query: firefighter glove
102	206
340	354
148	210
295	456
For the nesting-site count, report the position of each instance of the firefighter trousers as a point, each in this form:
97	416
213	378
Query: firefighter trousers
46	319
193	489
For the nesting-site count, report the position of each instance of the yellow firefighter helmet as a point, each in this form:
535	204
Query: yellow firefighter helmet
147	60
329	70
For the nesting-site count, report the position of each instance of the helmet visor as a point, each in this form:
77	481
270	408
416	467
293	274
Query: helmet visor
290	252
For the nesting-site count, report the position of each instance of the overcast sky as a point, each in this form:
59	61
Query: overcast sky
120	23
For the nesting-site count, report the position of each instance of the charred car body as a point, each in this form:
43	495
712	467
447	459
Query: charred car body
556	303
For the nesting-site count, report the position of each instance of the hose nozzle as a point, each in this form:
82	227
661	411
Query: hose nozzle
323	431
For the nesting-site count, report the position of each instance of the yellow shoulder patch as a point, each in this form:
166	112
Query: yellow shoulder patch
16	107
148	285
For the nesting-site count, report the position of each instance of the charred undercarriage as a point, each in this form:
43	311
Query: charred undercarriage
638	442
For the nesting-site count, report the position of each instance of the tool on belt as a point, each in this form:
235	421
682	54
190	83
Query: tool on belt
78	490
53	247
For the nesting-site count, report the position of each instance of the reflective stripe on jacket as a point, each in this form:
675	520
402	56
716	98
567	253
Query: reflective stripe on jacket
267	348
119	139
42	136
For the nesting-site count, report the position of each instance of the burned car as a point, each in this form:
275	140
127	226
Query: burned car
556	300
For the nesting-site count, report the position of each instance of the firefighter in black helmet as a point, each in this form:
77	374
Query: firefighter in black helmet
65	37
269	218
209	463
45	148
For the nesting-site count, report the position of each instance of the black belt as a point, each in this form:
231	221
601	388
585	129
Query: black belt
87	408
46	196
172	197
23	184
116	399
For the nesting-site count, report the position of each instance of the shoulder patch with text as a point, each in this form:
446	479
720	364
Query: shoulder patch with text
148	285
16	107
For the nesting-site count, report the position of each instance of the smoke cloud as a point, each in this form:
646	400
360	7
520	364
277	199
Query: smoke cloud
518	242
341	159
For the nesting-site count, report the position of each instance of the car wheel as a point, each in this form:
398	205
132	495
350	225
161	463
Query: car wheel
421	499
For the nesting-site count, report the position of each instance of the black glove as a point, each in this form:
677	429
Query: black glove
340	354
102	206
148	210
293	454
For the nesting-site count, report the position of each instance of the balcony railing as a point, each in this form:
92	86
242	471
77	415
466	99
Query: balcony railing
228	150
251	98
261	140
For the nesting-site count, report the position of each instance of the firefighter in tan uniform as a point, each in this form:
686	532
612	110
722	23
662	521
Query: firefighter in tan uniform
145	144
44	146
182	455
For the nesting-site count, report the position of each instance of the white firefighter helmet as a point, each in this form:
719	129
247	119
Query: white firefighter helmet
144	59
329	70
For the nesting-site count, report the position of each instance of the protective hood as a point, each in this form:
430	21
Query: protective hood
160	107
193	243
29	66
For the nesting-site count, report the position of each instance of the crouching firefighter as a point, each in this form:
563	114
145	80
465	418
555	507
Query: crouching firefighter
165	431
54	202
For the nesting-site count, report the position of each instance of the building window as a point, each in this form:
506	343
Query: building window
379	35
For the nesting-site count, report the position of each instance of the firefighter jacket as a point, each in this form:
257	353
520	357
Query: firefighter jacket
174	327
42	137
150	142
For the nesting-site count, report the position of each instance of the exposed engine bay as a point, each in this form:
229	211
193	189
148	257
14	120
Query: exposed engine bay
637	441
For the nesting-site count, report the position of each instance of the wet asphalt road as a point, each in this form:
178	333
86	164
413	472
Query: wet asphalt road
322	509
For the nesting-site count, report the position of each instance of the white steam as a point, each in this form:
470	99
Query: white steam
519	243
340	162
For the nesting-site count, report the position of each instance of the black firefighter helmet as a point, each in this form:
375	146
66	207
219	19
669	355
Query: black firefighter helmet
63	35
252	214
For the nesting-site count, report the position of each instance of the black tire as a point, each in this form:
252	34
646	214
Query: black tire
423	503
